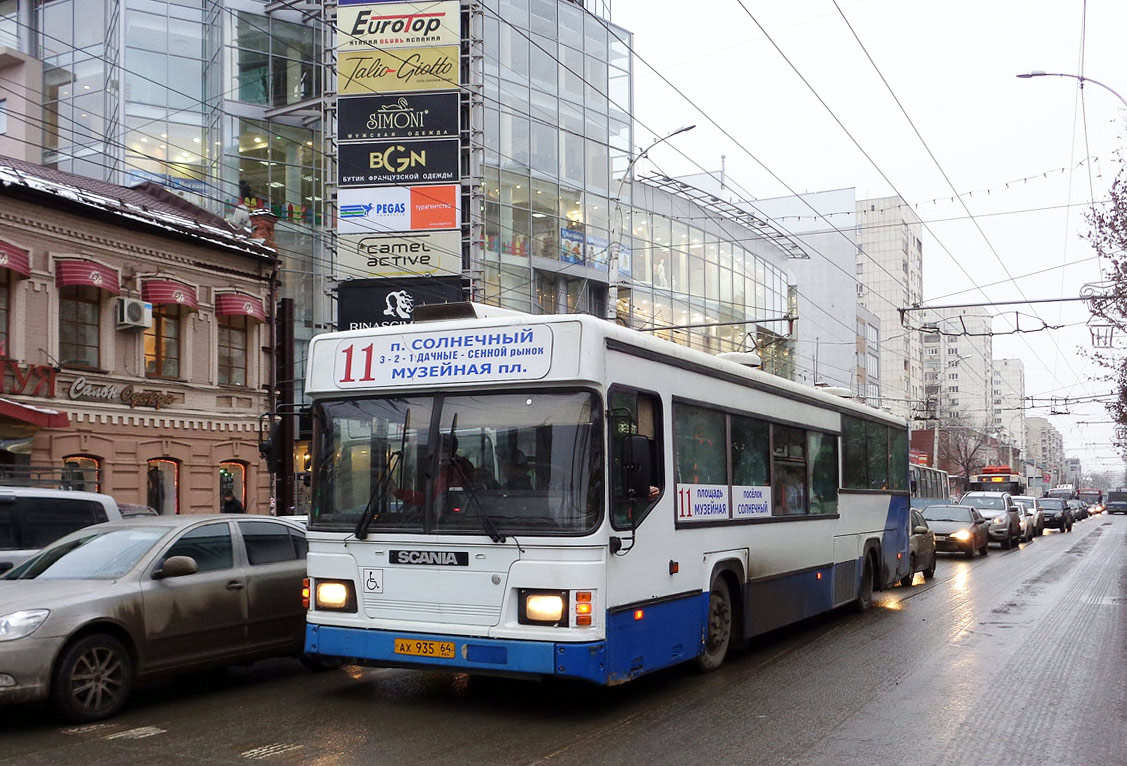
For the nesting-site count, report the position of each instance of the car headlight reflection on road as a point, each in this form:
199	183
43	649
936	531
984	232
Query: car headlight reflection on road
21	624
962	535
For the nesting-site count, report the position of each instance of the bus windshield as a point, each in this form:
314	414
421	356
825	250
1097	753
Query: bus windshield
524	463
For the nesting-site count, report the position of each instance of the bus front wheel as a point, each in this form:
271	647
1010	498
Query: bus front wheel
719	627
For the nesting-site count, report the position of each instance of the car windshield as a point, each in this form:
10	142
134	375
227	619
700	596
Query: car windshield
948	513
516	463
983	501
1051	504
104	554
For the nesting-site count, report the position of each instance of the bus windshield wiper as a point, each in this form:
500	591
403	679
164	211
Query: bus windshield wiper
369	514
452	464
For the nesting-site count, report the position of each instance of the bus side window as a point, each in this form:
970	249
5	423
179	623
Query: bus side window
634	413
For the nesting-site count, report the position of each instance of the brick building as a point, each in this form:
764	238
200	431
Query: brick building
134	341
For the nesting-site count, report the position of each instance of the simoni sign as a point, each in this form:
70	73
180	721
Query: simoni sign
415	115
399	25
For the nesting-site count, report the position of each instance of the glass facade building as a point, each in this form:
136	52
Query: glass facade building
222	102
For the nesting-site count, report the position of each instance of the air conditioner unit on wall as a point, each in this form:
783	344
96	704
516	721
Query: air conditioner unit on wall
132	313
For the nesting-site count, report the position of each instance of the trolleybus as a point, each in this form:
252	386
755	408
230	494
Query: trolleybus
499	493
997	478
929	486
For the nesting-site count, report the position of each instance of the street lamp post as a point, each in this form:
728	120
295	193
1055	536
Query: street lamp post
616	227
1079	77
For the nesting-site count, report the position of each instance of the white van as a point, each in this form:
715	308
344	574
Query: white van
31	518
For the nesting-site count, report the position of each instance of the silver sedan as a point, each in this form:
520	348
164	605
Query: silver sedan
132	600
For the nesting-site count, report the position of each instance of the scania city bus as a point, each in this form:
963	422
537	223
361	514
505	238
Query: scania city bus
500	493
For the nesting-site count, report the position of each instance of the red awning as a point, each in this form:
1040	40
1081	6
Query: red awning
36	416
167	291
237	304
15	259
86	273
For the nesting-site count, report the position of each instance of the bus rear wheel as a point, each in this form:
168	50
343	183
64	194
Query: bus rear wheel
865	587
719	627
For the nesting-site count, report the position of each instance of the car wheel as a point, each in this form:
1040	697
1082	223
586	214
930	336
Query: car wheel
319	663
865	588
930	571
906	580
719	627
92	679
986	547
969	552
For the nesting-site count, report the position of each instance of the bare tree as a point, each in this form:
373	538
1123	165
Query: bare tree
1107	234
964	446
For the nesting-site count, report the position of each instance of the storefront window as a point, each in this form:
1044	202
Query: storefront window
163	486
232	478
233	350
162	343
79	322
82	473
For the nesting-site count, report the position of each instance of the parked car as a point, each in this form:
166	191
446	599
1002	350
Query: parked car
33	517
958	528
921	550
1038	518
1056	512
999	509
151	596
1079	510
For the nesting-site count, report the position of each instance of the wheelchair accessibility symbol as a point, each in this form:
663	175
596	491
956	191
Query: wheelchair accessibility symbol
373	580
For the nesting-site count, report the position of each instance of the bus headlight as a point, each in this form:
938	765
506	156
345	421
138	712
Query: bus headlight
335	596
539	607
962	535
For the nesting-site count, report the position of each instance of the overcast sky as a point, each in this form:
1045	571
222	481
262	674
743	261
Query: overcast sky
952	67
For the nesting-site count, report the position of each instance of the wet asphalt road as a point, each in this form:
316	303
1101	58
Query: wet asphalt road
1016	658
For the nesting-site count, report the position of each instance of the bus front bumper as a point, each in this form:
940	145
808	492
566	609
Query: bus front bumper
377	648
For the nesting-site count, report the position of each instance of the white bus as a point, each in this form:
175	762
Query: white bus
500	493
929	486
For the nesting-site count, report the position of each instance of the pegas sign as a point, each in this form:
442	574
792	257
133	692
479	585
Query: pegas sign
397	25
388	210
388	163
437	253
419	115
392	71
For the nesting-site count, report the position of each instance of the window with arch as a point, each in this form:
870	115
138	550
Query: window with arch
5	300
82	473
163	485
232	478
233	333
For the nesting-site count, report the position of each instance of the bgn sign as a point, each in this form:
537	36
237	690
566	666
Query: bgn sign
431	558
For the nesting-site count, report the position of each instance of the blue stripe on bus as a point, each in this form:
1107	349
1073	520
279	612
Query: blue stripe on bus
895	539
534	658
779	601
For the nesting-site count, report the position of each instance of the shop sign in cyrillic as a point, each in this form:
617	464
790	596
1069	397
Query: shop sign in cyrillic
415	115
398	163
436	253
398	70
399	25
390	209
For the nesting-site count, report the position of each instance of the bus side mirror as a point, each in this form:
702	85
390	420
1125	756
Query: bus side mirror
637	466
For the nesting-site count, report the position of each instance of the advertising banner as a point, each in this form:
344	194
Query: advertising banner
399	25
571	246
398	70
366	303
422	254
386	210
398	163
419	115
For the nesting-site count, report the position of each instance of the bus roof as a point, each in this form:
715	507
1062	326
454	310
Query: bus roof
505	347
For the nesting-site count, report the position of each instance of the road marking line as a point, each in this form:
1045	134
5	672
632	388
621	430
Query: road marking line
141	733
268	751
90	727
